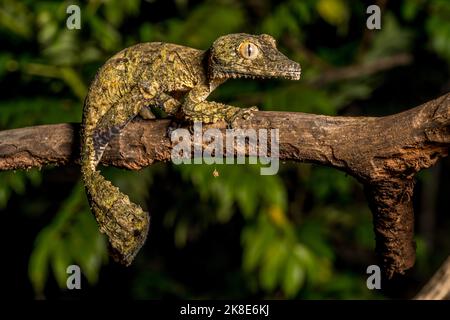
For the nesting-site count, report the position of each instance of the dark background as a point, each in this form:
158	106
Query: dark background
305	233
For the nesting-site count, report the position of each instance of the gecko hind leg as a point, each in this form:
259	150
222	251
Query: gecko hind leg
157	98
102	137
165	103
139	101
116	118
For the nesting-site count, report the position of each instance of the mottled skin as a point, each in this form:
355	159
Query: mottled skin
178	80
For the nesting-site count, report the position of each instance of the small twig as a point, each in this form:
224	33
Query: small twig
438	287
362	69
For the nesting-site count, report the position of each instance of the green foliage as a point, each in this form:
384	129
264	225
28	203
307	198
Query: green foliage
240	186
29	112
287	18
281	261
438	26
220	18
335	12
14	182
329	182
391	39
234	187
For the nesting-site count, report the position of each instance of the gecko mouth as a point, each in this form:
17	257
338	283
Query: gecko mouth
287	74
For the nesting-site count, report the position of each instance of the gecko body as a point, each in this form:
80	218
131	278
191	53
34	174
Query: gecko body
177	80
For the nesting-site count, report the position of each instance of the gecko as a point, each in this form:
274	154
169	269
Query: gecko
177	80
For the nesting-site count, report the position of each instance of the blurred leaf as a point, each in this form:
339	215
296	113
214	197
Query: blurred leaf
277	216
64	50
60	260
16	17
329	182
15	182
302	99
38	265
335	12
391	39
106	35
283	20
411	8
5	62
74	81
294	276
181	233
38	111
438	26
146	32
215	19
274	259
314	235
255	241
71	238
347	91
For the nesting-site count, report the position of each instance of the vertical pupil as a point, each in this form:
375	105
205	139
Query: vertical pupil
249	50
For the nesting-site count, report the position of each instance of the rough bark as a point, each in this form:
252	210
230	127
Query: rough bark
383	153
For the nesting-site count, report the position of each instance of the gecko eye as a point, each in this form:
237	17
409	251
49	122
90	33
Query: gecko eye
248	50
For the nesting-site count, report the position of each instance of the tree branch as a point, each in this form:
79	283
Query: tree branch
438	288
383	153
363	69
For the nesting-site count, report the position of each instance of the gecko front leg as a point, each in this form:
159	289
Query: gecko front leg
159	99
196	108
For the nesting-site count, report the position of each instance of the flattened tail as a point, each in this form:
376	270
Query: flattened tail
125	223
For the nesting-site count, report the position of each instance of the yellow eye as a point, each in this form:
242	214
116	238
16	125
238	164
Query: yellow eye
248	50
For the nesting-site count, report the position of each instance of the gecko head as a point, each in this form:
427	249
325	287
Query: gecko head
243	55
